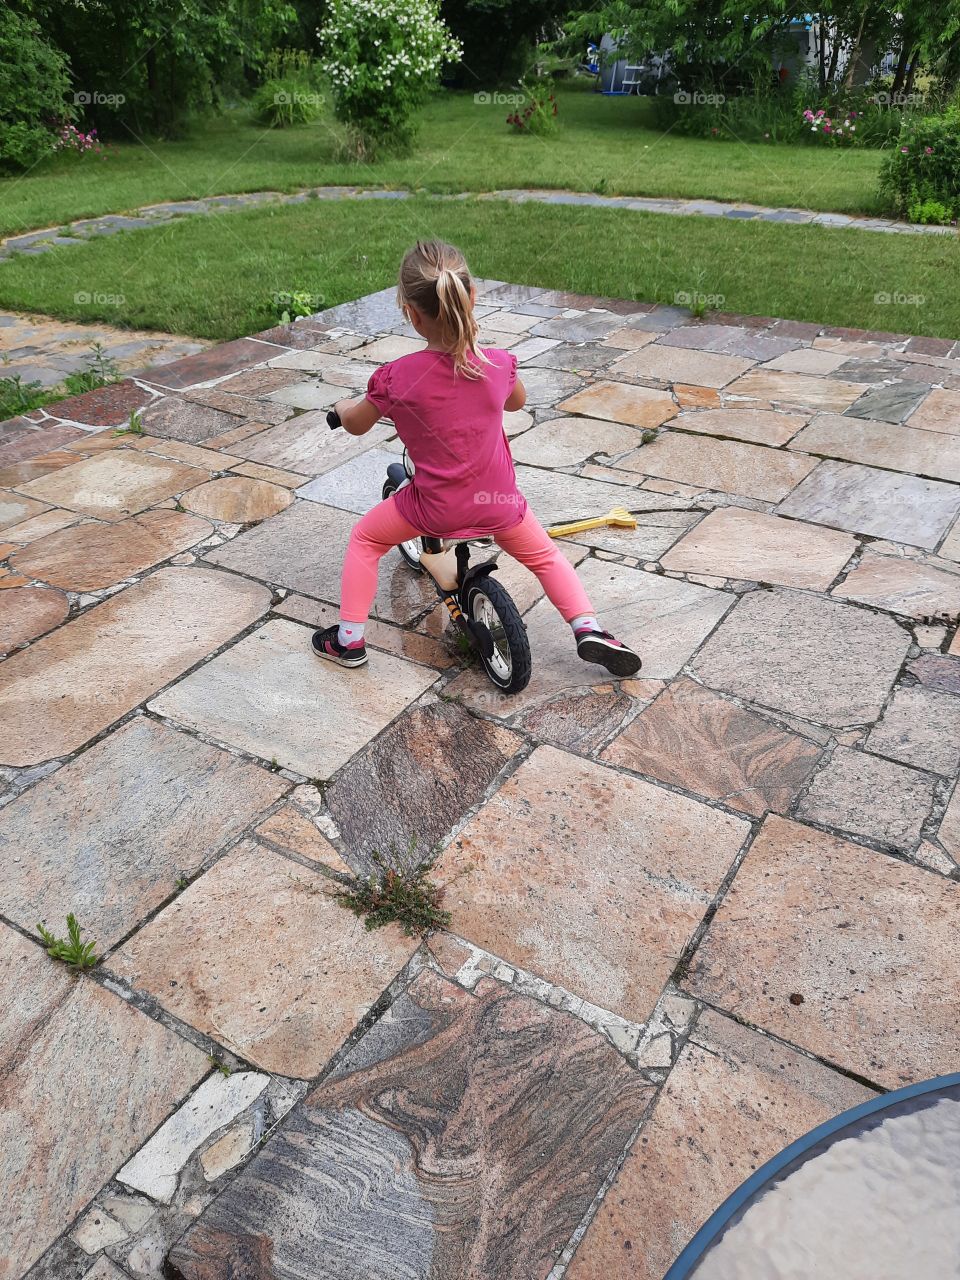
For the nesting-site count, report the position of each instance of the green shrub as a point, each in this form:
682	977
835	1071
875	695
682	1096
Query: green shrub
281	103
382	58
538	112
922	170
34	81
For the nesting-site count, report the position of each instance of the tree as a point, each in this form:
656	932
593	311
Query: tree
499	36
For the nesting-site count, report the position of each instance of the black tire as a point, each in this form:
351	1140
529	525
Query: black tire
510	665
406	549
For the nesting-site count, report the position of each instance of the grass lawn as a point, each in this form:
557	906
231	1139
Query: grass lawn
214	276
463	146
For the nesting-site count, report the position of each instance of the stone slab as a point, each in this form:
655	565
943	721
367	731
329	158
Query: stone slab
294	830
388	1168
354	485
237	499
901	586
619	402
920	726
70	685
692	738
726	465
184	420
890	402
807	360
877	502
415	782
556	497
108	406
114	484
272	696
940	411
308	446
733	543
87	557
611	927
156	1167
216	362
564	442
275	475
39	526
16	509
871	797
755	426
675	364
288	1016
796	390
663	618
865	939
734	1100
109	835
882	444
28	612
937	671
81	1061
830	663
584	719
545	387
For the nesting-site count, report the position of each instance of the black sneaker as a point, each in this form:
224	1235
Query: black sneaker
326	644
600	646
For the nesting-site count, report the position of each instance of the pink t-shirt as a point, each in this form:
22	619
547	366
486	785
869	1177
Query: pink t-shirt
452	427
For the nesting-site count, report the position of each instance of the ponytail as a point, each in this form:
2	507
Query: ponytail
434	278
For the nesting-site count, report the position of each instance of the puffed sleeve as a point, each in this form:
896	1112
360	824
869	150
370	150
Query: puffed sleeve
378	389
511	371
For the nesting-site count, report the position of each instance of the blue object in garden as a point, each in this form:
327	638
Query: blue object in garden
873	1194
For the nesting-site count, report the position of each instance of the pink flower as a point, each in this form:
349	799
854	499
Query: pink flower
928	151
905	150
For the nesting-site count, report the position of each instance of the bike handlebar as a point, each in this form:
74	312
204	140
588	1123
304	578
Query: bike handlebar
333	420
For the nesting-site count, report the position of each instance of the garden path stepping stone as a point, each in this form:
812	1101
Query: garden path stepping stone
619	402
302	548
109	834
415	783
920	726
795	390
306	444
869	796
355	485
393	347
306	395
585	328
734	1100
867	940
583	720
109	406
89	556
272	696
215	362
70	685
756	426
830	663
901	586
337	371
454	1093
727	465
542	353
184	420
15	509
733	543
237	499
882	444
937	671
564	442
612	926
546	386
28	612
290	1015
666	620
890	403
87	1063
674	364
808	360
691	737
295	831
116	483
881	503
940	411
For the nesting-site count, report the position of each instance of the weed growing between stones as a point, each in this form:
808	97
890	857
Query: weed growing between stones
72	950
406	895
134	426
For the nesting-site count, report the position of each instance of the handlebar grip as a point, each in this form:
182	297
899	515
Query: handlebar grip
333	420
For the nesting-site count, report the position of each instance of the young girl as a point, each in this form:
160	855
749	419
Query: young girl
447	403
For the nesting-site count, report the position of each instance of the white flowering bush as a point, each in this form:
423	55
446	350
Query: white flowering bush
382	57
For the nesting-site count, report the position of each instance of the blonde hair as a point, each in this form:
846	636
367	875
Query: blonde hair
435	279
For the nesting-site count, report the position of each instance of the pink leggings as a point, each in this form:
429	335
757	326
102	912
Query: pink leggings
384	527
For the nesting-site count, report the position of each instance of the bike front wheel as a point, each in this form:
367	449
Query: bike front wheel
509	664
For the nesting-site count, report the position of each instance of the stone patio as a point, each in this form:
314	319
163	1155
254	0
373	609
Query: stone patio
694	913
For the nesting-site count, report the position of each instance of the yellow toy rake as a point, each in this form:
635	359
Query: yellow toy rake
616	518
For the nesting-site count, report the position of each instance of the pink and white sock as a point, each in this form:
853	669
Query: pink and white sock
584	622
350	634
